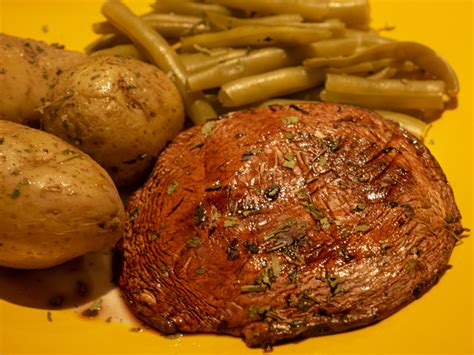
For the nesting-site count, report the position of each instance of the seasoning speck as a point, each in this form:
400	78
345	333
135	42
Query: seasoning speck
289	161
172	187
288	120
94	309
361	228
49	316
194	242
207	128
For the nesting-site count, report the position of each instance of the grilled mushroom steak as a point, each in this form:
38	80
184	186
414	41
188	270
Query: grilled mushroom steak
287	222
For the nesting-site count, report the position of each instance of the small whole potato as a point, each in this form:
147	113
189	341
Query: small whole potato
27	70
120	111
56	203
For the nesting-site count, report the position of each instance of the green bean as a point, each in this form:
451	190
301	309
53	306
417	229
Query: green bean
161	54
107	41
396	94
185	7
168	25
385	73
258	36
255	62
333	47
276	83
123	50
364	67
413	125
194	62
366	39
419	54
352	12
224	22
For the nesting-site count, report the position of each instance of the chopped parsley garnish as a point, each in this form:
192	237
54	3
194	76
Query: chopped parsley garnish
252	288
361	228
196	145
288	120
232	250
17	190
94	309
194	242
359	207
172	187
207	128
322	161
247	155
290	160
199	214
134	214
255	311
251	247
230	221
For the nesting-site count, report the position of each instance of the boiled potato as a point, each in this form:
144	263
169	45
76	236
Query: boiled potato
56	203
27	70
120	111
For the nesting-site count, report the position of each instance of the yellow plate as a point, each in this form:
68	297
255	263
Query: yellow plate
439	322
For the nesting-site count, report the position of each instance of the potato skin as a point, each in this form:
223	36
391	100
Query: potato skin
27	70
120	111
56	203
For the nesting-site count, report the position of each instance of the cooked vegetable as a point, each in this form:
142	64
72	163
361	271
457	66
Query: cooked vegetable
107	41
186	7
257	36
413	125
255	62
224	22
27	69
385	94
167	25
161	54
223	49
194	62
56	203
120	111
419	54
122	50
352	12
260	87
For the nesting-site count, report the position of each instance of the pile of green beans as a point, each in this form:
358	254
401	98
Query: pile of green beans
228	54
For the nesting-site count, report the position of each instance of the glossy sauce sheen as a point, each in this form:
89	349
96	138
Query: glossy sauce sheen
287	222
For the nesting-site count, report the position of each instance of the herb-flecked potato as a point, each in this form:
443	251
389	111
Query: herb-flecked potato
120	111
27	70
56	203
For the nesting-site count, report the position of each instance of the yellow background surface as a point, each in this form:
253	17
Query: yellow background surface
440	322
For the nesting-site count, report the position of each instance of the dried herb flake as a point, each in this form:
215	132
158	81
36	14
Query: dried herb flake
290	160
361	228
288	120
172	187
207	128
194	242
